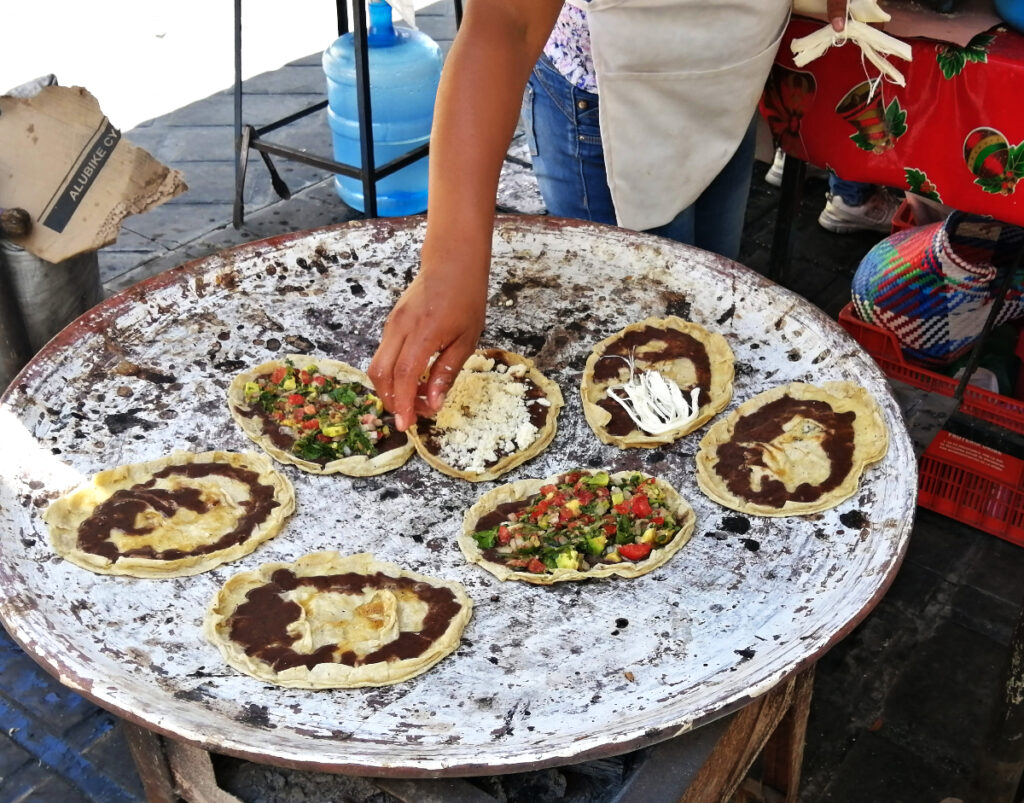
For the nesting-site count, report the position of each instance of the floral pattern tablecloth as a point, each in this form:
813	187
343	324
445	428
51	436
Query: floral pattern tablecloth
954	133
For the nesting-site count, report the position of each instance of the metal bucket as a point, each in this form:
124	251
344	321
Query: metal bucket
38	299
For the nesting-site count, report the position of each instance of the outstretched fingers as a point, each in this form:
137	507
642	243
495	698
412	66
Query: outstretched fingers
444	370
395	371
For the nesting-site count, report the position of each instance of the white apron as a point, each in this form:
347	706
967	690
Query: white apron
679	82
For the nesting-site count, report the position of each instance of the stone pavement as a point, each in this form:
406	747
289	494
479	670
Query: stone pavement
900	705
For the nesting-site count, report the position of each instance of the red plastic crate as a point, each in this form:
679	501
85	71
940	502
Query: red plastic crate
958	477
885	349
974	484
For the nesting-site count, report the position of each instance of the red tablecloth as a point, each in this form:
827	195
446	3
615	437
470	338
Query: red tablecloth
954	133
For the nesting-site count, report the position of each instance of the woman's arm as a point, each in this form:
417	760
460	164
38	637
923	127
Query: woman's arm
478	103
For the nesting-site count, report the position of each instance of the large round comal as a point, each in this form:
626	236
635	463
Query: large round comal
405	68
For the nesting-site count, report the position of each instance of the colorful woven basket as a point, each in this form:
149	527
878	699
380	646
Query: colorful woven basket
933	286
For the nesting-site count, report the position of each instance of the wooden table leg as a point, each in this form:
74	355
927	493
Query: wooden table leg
783	753
173	771
147	749
751	730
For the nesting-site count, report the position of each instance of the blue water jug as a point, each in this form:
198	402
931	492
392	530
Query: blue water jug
405	67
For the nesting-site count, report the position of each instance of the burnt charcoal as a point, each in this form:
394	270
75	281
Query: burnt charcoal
545	786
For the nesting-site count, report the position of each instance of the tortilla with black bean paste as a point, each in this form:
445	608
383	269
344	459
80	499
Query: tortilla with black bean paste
175	516
318	414
578	525
682	351
792	450
336	621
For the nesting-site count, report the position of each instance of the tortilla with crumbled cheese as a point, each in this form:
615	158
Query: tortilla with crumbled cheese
500	412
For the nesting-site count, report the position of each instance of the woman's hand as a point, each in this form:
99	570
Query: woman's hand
478	101
440	313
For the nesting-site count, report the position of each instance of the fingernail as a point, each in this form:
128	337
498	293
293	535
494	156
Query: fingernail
838	23
400	422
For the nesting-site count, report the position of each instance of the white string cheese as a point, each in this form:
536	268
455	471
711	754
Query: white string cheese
654	403
873	43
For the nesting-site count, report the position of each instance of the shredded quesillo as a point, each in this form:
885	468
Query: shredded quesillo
654	403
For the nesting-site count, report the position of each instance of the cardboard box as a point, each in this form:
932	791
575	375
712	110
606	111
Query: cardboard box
63	162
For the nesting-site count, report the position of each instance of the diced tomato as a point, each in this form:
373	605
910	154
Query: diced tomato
322	438
657	520
585	496
279	374
622	508
319	380
504	534
548	489
635	551
296	399
304	377
610	529
602	493
641	505
277	415
540	509
309	409
311	423
536	567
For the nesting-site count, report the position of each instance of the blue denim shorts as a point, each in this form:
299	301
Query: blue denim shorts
564	136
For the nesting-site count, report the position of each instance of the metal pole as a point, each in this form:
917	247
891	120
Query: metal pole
240	164
365	113
793	174
15	350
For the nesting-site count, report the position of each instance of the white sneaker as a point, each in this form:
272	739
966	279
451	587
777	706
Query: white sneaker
875	214
774	174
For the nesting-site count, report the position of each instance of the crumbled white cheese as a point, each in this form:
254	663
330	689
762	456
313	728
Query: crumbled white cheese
484	416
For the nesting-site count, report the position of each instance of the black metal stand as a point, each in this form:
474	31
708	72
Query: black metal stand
249	138
793	173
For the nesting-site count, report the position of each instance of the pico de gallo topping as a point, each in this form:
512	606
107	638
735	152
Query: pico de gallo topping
582	520
328	418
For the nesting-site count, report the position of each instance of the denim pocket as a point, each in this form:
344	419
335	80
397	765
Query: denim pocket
526	115
588	119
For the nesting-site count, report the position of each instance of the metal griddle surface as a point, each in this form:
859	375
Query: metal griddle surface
544	675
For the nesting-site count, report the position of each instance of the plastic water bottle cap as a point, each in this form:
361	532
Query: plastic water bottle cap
382	29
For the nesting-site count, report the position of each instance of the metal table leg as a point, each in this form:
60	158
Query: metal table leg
247	137
793	174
